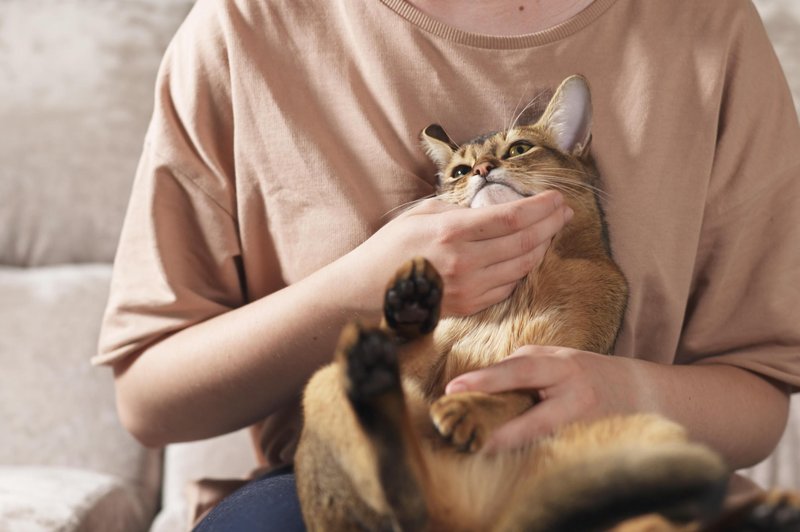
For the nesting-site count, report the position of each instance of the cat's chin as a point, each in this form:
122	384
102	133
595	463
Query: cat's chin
494	194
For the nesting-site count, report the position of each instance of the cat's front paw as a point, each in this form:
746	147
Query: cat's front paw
412	301
467	419
460	419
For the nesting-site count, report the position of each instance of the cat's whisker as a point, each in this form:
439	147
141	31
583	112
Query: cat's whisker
574	187
564	190
403	207
571	182
606	196
529	105
449	197
566	171
574	184
507	124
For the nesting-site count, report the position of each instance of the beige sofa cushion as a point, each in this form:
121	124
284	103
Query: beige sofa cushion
42	499
55	408
75	98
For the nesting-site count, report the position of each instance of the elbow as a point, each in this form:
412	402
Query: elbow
135	409
773	419
781	411
139	425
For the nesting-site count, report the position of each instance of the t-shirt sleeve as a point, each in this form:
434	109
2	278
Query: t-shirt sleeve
177	263
743	310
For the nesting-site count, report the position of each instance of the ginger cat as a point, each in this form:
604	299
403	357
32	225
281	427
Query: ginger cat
383	449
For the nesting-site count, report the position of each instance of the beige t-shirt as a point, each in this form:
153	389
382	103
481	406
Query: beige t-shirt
284	131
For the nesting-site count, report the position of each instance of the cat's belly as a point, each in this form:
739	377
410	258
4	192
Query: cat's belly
494	194
469	344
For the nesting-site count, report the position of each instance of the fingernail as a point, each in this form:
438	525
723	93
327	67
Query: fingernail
568	214
558	200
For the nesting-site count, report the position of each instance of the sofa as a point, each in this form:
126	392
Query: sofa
76	86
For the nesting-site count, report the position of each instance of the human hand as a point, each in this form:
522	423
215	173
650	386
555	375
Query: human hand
571	386
480	253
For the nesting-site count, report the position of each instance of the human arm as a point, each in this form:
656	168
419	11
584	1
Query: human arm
240	365
736	412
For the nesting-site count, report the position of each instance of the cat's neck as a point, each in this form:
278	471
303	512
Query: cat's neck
501	17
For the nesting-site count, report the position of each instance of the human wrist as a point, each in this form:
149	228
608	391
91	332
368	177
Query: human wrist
646	380
349	287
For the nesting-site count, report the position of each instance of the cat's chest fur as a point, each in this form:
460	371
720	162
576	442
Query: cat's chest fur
493	334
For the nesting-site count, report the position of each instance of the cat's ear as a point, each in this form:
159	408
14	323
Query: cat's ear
438	145
568	117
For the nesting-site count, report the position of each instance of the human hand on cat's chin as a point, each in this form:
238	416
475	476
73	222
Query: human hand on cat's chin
572	386
480	253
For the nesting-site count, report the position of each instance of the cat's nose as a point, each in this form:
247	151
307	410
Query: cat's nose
482	169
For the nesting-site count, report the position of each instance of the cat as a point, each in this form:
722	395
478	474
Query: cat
384	449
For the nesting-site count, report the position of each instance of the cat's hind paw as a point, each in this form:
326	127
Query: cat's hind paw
412	301
778	512
775	511
370	362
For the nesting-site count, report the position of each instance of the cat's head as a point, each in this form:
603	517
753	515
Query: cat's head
522	161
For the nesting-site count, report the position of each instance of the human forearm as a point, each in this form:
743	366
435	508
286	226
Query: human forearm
736	412
234	369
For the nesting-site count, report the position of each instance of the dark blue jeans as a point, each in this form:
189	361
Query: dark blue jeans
267	504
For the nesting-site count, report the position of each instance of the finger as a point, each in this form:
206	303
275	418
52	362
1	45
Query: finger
508	273
515	245
537	422
485	300
499	220
534	368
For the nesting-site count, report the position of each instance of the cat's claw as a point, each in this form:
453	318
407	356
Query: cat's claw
412	301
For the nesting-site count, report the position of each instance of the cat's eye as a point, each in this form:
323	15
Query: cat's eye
519	148
460	171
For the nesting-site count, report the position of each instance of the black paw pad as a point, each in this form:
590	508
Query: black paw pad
778	516
372	365
411	304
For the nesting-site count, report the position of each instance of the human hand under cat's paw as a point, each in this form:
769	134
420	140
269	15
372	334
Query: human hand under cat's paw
571	386
480	253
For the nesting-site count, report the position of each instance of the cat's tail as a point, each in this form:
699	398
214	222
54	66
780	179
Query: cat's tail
680	481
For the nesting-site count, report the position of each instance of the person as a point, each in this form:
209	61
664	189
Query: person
284	132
